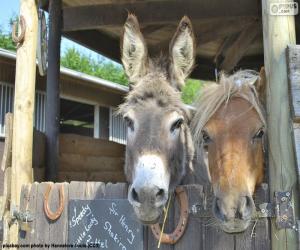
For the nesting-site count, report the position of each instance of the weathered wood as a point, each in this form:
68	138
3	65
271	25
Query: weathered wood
7	152
87	146
32	208
200	234
24	204
84	163
279	31
24	108
240	46
52	90
111	176
296	127
42	226
293	61
195	226
95	16
58	233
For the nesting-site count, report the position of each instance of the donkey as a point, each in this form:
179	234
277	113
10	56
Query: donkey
229	129
159	149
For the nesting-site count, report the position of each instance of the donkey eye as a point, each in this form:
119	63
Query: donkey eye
129	123
259	134
176	125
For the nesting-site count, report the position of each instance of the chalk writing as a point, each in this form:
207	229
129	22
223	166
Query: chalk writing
106	224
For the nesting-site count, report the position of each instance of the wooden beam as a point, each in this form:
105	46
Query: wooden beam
240	46
98	42
52	89
23	109
95	16
278	32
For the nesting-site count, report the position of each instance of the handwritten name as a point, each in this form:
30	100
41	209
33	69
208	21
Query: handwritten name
85	211
108	227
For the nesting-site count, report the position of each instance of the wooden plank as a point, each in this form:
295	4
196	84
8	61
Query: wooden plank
194	231
240	46
95	16
279	31
77	190
42	227
83	145
7	152
5	201
105	176
52	89
24	204
110	47
78	162
24	98
116	191
32	202
293	61
58	233
296	140
95	190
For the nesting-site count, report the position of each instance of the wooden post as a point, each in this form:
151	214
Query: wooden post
278	32
53	101
23	109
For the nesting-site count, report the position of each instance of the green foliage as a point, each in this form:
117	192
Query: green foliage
6	42
190	90
73	59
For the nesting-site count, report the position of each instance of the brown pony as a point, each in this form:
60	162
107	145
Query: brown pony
229	129
159	148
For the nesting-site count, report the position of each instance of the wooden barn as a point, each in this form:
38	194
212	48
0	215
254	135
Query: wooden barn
230	35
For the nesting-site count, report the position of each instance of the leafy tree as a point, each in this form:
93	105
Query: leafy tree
73	59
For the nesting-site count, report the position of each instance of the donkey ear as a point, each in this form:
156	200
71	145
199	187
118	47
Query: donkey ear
182	53
133	49
260	86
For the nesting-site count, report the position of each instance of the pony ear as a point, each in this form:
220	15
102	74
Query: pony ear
133	49
182	53
260	86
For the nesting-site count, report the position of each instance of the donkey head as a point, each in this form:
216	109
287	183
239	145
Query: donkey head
159	148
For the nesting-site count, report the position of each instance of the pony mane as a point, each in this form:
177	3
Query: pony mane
214	95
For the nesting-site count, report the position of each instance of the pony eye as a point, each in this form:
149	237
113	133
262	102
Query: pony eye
206	138
176	125
259	134
129	123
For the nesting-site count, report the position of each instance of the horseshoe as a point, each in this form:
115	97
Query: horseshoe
19	38
173	237
54	215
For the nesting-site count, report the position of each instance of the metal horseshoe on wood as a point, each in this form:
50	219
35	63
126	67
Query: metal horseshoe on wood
19	38
54	215
172	238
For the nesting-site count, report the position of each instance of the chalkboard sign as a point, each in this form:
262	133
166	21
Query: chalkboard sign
104	224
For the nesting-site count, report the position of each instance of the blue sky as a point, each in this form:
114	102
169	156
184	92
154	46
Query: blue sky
10	8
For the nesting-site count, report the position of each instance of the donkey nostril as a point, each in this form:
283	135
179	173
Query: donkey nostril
135	195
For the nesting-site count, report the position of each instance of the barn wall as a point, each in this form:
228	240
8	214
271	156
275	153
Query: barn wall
84	158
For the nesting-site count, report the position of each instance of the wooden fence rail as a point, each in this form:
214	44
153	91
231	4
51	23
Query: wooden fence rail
201	232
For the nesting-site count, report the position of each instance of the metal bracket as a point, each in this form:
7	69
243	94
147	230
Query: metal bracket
284	211
23	218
